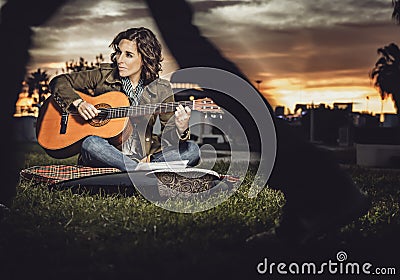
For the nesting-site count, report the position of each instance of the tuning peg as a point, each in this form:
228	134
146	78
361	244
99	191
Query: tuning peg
213	116
220	116
205	116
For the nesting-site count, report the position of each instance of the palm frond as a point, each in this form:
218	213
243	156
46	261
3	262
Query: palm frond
386	72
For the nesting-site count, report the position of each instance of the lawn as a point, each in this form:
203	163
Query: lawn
67	235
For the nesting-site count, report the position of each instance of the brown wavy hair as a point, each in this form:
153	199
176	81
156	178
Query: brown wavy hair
147	45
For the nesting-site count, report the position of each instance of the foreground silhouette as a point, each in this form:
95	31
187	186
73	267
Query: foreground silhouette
17	18
320	196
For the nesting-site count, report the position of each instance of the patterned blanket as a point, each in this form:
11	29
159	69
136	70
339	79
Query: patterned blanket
170	182
52	174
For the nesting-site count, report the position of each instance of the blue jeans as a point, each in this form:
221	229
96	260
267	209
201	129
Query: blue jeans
97	152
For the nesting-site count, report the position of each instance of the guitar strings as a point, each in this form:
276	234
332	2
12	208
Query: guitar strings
108	113
149	109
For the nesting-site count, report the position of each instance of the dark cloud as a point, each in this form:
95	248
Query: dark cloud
346	7
135	13
45	58
66	21
326	52
373	4
206	6
70	19
46	42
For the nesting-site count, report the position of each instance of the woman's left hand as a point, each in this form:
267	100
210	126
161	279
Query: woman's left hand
182	117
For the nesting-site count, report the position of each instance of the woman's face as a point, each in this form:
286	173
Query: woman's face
129	60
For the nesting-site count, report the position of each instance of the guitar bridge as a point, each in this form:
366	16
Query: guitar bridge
63	123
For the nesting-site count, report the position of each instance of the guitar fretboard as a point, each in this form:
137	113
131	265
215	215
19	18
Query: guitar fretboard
142	110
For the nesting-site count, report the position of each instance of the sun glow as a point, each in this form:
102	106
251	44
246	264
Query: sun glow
55	65
289	92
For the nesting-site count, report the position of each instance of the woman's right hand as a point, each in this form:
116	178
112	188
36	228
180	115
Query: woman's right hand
85	109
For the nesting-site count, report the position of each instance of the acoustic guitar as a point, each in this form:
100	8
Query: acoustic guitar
61	134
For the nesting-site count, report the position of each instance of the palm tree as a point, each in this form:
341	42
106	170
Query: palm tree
83	64
396	11
386	73
39	80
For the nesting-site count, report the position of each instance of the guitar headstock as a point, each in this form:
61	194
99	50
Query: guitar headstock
207	105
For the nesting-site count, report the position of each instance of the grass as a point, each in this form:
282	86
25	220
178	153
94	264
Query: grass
61	234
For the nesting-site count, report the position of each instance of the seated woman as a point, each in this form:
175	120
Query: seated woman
136	63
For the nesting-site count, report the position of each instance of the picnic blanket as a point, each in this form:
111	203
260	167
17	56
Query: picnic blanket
55	173
161	182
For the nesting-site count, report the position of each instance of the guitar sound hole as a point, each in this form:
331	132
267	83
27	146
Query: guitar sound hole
101	119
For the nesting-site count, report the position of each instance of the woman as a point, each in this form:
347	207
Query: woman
134	71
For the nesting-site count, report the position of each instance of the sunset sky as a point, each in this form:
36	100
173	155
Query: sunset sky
303	51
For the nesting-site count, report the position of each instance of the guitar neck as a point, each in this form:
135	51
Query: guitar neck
142	110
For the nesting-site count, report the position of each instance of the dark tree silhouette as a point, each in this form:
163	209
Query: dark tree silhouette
17	18
83	64
39	80
386	73
191	49
319	195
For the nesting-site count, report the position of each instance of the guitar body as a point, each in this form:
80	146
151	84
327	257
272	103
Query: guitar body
63	145
62	139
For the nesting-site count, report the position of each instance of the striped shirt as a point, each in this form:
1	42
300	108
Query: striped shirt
132	146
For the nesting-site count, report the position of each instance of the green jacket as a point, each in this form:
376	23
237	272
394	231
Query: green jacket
106	79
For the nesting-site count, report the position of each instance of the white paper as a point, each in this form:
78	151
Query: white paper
162	165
